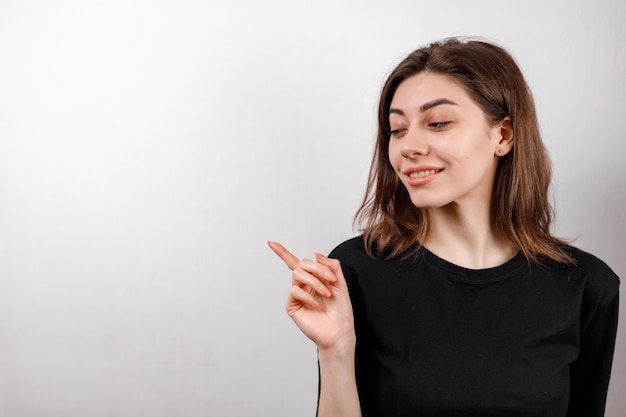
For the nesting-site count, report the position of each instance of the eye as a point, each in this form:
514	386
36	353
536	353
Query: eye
396	133
439	125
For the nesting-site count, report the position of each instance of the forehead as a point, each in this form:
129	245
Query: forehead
425	87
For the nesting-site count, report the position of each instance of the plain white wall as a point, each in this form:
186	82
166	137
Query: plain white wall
148	149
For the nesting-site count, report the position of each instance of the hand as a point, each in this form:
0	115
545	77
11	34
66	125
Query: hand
319	302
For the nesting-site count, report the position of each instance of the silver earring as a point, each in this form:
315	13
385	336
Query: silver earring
500	151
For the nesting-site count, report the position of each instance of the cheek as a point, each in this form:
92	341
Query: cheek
394	156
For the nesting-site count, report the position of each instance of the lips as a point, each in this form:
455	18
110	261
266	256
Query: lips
418	174
421	175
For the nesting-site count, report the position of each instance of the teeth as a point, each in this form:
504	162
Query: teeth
419	174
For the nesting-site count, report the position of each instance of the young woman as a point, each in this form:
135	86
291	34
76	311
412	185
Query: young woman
457	300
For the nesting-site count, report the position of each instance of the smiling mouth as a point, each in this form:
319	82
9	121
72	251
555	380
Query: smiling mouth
420	174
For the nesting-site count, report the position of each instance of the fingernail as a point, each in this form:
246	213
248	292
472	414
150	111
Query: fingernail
325	291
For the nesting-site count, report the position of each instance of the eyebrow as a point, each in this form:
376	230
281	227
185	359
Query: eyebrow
426	106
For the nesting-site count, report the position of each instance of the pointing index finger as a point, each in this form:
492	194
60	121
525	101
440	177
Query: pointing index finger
289	258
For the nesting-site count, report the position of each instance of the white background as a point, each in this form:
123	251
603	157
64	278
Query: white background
148	149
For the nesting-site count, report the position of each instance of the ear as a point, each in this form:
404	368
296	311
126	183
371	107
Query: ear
505	143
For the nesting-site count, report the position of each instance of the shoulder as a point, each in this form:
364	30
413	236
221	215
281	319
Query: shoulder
353	256
350	249
591	266
354	252
357	265
598	278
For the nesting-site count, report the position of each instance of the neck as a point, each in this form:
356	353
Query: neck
465	237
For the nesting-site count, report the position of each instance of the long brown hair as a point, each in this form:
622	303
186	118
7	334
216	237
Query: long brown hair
520	208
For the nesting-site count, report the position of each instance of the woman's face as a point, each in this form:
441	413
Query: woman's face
441	146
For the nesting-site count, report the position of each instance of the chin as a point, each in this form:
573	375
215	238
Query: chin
425	199
426	204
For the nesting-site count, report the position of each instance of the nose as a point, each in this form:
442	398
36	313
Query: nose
414	144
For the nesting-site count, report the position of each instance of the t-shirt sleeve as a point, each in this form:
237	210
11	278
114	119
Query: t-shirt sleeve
590	373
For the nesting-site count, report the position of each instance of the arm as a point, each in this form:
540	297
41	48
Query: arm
320	306
590	373
338	392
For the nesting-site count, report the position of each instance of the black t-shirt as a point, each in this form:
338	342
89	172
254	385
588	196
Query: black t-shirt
436	339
